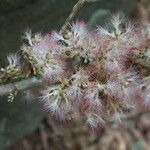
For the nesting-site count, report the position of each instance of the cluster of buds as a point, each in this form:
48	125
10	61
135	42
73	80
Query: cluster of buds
12	71
91	75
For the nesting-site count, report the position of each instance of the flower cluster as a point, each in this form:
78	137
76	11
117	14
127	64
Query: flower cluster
12	71
91	75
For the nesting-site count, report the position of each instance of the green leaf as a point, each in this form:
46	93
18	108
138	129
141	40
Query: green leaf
99	17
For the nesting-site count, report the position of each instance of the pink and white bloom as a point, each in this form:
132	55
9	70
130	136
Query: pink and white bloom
93	98
54	71
118	117
75	93
91	69
94	120
55	101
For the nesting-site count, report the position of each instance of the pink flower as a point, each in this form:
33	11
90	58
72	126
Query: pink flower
113	66
92	97
42	49
90	71
75	93
118	117
54	71
94	120
55	101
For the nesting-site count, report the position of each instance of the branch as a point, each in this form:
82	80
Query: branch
20	85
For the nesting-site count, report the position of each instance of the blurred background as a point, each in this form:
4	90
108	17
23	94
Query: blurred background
23	125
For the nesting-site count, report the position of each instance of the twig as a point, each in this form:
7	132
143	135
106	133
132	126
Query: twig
73	13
